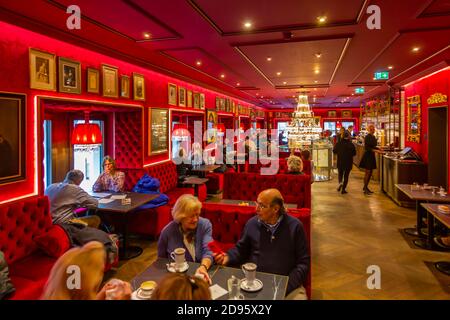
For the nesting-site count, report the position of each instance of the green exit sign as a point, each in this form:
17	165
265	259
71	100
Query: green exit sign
381	75
359	90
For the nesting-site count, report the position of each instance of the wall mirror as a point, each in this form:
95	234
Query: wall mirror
413	124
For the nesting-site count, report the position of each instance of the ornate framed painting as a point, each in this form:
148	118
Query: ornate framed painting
138	86
110	81
202	101
125	86
172	94
346	113
69	72
42	70
189	99
12	137
93	80
212	126
158	131
332	114
196	100
182	97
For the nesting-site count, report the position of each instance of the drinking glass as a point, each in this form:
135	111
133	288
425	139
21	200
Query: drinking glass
234	289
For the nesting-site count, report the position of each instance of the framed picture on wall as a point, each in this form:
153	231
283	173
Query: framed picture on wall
196	100
42	70
158	131
202	101
332	114
189	99
125	86
69	73
93	80
12	137
346	113
172	94
110	81
138	86
317	120
217	103
182	97
211	119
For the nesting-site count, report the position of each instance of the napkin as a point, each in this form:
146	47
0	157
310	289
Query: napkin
217	291
105	200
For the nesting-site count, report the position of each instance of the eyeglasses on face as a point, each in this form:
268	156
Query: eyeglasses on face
107	164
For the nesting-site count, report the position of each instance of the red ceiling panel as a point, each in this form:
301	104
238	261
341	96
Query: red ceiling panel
436	8
266	15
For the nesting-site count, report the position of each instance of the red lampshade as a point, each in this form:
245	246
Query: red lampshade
221	127
87	133
258	125
180	130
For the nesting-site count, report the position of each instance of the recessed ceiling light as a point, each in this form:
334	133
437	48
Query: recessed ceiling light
199	63
284	82
238	84
318	54
278	73
248	24
415	49
315	81
353	94
262	97
317	71
390	67
322	19
269	58
315	89
147	35
257	94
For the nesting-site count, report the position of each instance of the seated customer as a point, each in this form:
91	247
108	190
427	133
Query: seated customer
190	231
275	241
110	179
67	196
62	283
183	167
294	163
176	286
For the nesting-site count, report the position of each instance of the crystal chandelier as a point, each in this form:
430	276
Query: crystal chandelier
303	129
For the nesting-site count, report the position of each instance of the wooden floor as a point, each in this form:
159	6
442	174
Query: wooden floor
350	233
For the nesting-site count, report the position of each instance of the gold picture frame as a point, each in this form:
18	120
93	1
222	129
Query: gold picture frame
182	97
346	113
172	94
93	80
158	141
189	99
211	121
42	67
110	77
69	74
332	114
12	137
138	86
414	118
124	86
196	100
202	101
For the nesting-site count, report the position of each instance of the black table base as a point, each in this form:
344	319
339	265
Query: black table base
131	252
443	266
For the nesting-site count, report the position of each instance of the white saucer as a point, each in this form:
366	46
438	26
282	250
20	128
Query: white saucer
257	285
135	296
171	267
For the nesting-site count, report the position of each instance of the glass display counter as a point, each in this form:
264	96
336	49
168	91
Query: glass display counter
322	156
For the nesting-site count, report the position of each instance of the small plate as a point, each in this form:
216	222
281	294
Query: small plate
171	267
135	296
444	209
257	285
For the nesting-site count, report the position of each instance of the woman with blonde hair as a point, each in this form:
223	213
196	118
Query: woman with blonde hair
78	274
176	286
190	231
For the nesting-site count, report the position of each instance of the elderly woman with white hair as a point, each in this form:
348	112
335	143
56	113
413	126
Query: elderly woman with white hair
190	231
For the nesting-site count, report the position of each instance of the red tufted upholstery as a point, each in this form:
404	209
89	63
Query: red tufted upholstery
228	222
128	128
256	168
246	186
152	221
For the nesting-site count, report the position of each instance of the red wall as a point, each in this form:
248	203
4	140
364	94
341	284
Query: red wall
437	83
14	45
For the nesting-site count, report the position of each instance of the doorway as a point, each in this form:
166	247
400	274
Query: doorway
437	146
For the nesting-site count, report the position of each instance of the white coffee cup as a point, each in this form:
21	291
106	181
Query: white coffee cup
146	289
249	270
178	255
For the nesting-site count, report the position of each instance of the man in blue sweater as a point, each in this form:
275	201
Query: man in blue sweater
275	242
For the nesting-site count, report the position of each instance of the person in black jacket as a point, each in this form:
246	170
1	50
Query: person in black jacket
345	151
368	161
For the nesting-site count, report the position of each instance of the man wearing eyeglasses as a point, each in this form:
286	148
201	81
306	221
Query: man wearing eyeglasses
275	242
110	179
